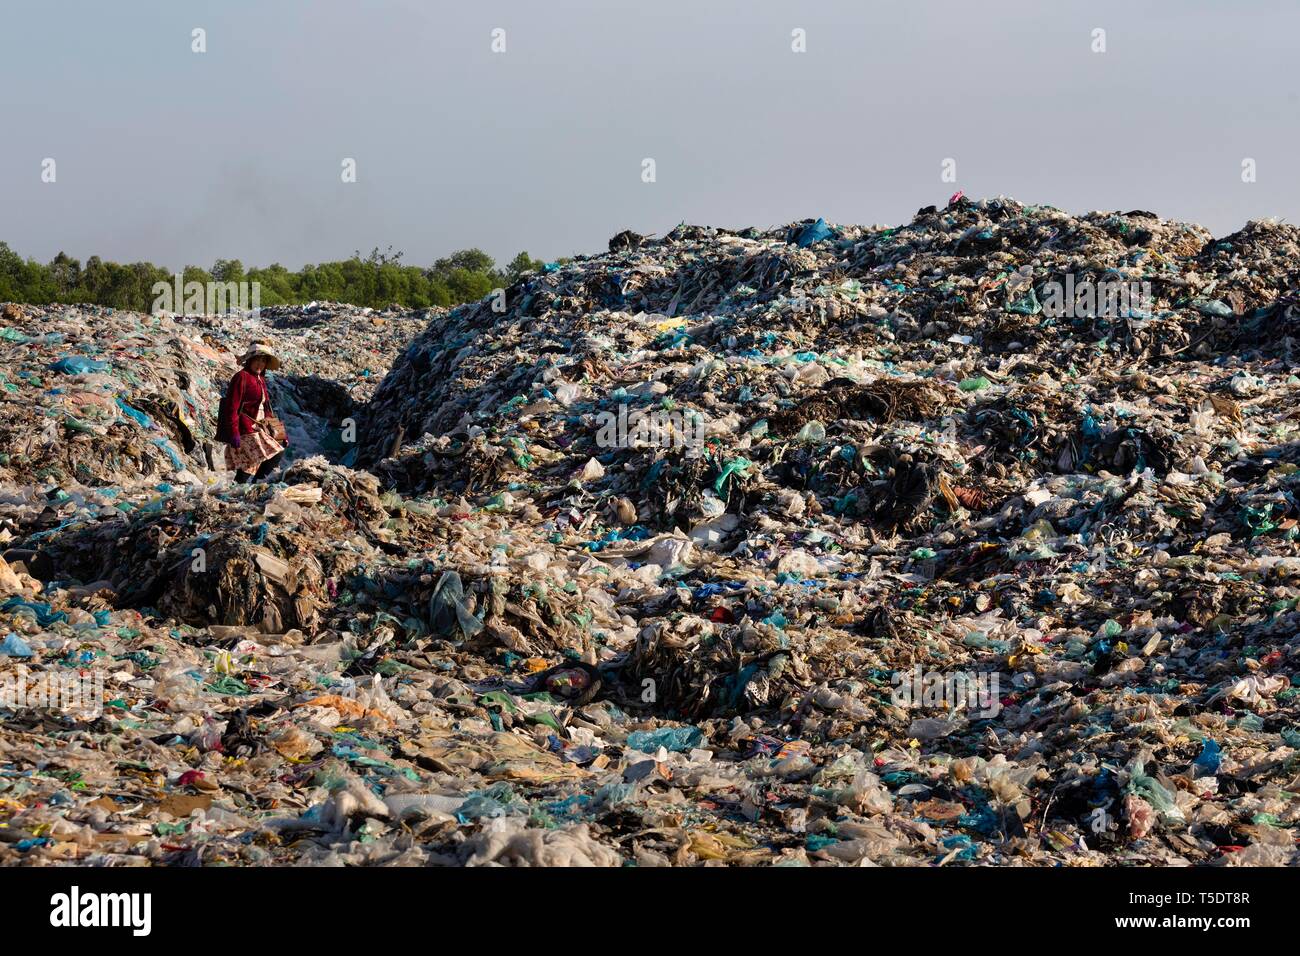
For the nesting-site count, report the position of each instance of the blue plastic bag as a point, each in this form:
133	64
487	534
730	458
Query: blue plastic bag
1210	758
677	739
44	614
75	365
15	646
139	417
814	233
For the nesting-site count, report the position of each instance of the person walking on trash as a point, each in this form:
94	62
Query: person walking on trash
255	439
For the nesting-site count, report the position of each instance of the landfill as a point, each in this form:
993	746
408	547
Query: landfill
99	397
822	545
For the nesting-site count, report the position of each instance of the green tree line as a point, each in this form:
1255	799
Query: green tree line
376	280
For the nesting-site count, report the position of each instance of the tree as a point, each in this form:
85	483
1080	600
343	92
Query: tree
276	284
520	264
378	259
228	270
377	280
467	286
66	274
469	260
11	269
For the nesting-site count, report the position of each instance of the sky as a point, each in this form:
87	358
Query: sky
180	157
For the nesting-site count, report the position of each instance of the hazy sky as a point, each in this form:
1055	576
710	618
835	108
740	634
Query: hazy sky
179	157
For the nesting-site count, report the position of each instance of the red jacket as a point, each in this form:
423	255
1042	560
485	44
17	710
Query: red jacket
245	394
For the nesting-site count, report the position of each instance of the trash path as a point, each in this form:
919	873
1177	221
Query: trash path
967	542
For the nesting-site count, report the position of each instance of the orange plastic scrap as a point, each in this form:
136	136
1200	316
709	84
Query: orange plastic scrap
351	709
211	354
82	398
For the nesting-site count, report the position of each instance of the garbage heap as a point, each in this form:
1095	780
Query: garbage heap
333	357
967	542
97	396
95	400
349	346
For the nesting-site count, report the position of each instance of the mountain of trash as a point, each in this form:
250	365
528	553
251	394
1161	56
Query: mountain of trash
105	398
967	542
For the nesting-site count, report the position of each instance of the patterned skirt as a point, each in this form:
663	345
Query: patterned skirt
253	449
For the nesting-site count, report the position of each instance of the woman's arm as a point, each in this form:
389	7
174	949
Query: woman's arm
236	396
240	386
